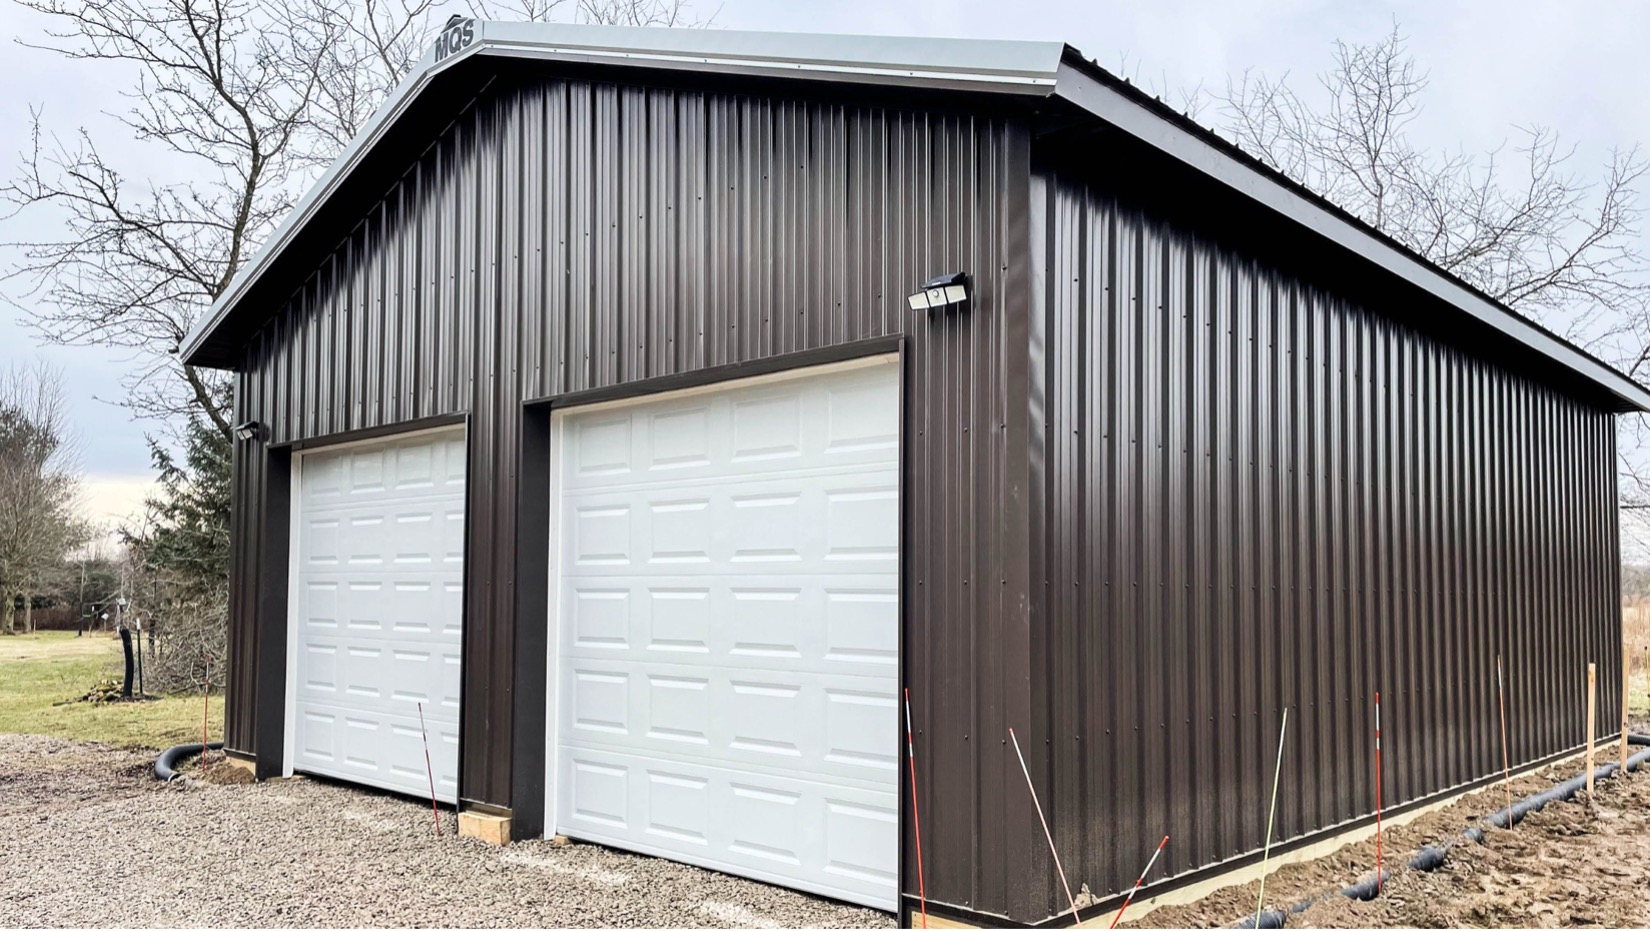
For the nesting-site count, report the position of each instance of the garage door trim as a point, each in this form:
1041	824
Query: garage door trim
803	365
321	446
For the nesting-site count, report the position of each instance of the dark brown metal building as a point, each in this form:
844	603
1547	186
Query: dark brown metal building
584	407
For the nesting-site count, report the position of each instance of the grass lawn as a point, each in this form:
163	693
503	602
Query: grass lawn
37	671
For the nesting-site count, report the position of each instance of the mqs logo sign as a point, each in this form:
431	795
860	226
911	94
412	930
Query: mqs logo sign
456	38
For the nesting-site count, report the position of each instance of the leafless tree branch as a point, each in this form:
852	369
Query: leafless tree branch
1522	223
247	101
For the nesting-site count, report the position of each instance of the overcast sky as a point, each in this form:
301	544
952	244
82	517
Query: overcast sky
1578	67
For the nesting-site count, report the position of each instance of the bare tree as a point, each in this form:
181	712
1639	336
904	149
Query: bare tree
359	52
1520	223
1517	223
39	486
1190	101
638	13
602	12
227	98
246	101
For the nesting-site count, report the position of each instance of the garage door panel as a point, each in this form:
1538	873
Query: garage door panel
862	521
379	620
836	840
835	419
843	624
421	609
385	751
727	596
410	609
829	521
382	674
395	536
801	722
406	468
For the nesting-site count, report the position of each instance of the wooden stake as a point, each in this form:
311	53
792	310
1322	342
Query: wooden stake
1052	852
1506	766
1626	676
1266	853
916	819
1592	724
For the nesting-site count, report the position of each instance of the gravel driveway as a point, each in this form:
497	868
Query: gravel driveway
88	838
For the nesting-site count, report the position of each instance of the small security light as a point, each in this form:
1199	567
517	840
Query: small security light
941	292
250	430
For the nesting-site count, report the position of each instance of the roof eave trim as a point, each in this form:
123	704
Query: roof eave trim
1084	91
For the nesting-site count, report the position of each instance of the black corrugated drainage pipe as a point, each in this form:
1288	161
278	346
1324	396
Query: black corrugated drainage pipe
166	763
1429	858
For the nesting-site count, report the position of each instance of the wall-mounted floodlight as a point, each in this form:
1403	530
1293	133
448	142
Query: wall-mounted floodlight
250	430
942	292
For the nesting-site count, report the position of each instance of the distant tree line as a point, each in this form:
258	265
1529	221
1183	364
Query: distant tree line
39	492
1635	583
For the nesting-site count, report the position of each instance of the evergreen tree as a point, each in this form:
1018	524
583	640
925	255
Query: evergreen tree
188	533
179	559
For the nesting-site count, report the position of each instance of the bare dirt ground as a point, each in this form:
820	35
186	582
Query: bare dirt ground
88	838
1575	864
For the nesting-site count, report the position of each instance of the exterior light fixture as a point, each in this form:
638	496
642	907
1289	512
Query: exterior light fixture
250	430
941	292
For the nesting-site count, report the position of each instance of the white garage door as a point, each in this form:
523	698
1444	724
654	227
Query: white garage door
728	604
377	612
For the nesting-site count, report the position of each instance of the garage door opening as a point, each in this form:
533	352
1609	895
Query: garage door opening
725	627
376	610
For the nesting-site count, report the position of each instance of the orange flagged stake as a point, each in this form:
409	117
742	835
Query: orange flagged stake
916	818
1052	852
1377	792
1506	767
1160	845
429	770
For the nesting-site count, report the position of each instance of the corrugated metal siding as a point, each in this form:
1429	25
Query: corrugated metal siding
1150	501
570	235
1261	495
